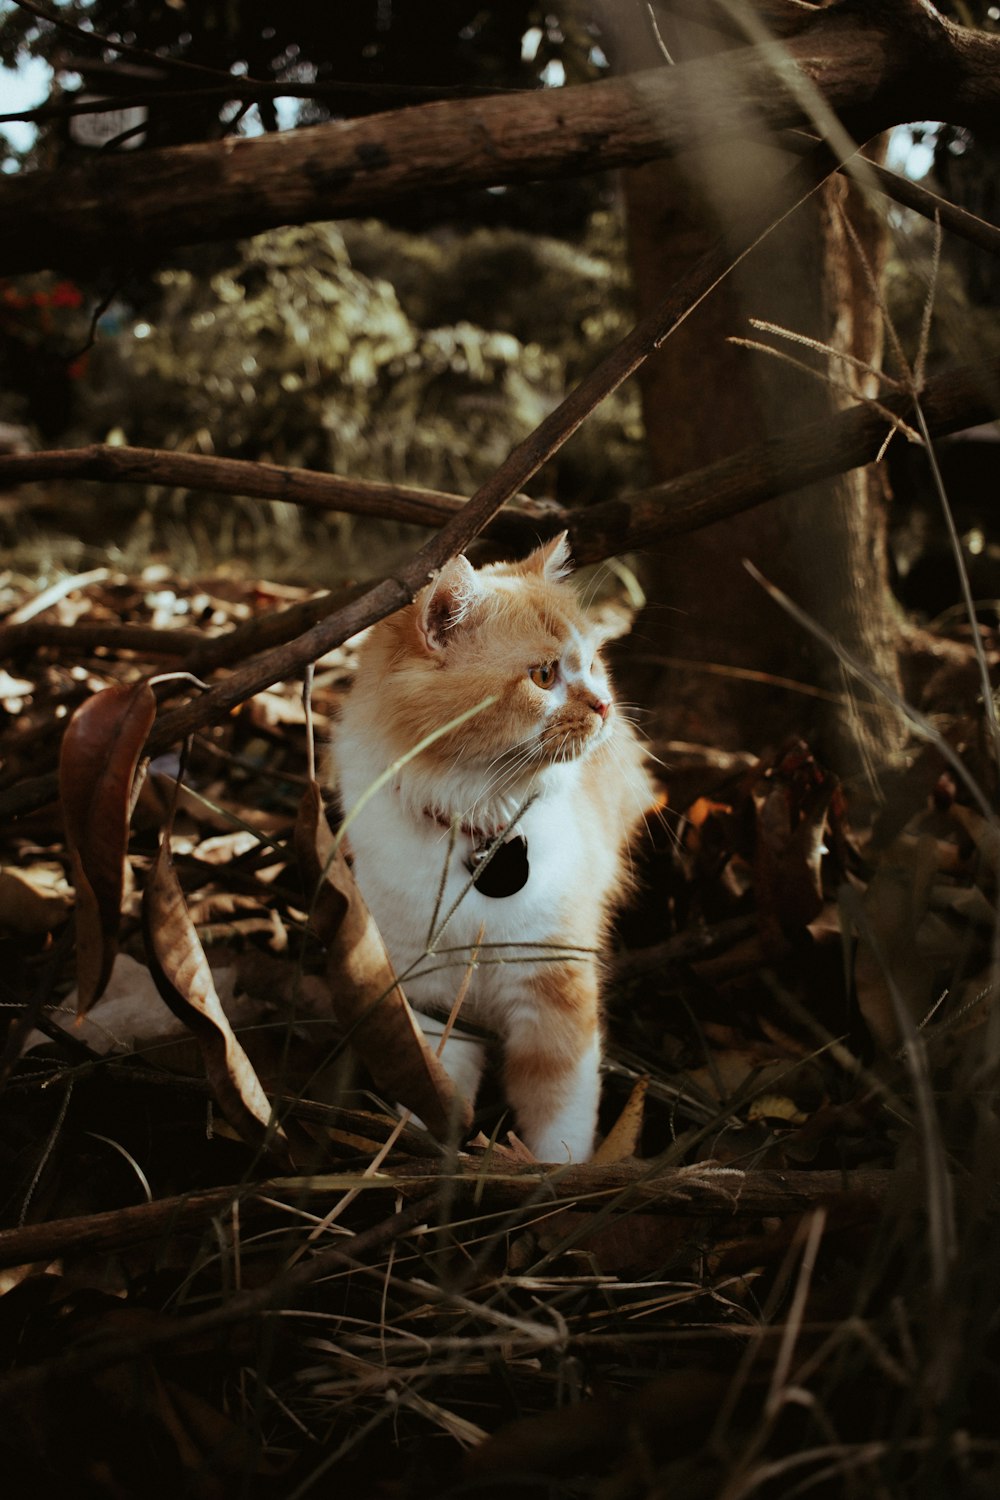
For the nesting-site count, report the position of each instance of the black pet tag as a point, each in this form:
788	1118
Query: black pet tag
507	871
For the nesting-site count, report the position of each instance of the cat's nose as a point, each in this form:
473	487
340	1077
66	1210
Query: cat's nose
601	707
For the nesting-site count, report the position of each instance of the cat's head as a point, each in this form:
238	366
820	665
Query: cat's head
515	633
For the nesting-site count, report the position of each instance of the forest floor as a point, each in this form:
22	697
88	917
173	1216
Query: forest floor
779	1275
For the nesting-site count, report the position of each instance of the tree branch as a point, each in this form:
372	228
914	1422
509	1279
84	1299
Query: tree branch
264	481
523	461
910	194
847	440
106	634
878	65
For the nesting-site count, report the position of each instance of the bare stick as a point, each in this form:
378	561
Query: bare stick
682	1191
279	1291
106	635
909	194
236	476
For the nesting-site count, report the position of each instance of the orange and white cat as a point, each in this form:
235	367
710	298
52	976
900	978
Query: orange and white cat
534	798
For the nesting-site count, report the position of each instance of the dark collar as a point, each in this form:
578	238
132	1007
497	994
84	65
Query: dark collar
480	835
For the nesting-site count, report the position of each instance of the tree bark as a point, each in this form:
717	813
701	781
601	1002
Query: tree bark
704	398
877	64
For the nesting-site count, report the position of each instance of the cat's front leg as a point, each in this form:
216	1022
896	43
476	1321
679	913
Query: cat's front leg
552	1055
463	1057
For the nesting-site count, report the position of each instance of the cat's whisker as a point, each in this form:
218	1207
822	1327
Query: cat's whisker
589	594
495	788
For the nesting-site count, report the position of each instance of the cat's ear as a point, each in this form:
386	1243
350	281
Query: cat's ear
552	559
446	602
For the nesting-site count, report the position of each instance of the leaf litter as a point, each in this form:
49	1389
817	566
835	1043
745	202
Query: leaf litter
218	1227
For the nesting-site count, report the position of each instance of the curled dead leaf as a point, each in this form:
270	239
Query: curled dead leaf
891	967
97	766
622	1140
669	1413
31	901
776	1107
366	995
791	804
182	975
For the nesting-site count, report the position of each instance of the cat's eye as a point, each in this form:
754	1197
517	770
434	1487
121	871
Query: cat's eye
545	676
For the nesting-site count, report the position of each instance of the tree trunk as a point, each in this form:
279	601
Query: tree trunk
704	398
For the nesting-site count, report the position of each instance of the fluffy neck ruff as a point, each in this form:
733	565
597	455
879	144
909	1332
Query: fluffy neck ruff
482	834
477	797
460	796
459	800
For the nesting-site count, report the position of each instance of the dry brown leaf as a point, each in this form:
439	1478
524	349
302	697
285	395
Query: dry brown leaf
366	995
129	1016
747	1074
14	691
622	1140
966	902
514	1149
665	1413
985	835
31	902
790	805
501	1151
223	847
272	710
97	765
211	807
889	952
776	1107
183	977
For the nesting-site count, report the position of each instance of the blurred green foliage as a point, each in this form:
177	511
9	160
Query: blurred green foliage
418	352
356	349
375	353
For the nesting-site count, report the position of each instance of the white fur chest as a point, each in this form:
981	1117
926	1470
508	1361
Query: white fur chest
435	922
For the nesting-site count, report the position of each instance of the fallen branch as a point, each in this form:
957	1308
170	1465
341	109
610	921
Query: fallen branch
104	635
280	1291
878	65
687	1192
704	1191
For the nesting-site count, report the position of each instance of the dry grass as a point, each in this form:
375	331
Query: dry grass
805	1306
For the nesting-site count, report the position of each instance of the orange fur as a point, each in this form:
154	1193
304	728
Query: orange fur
552	753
